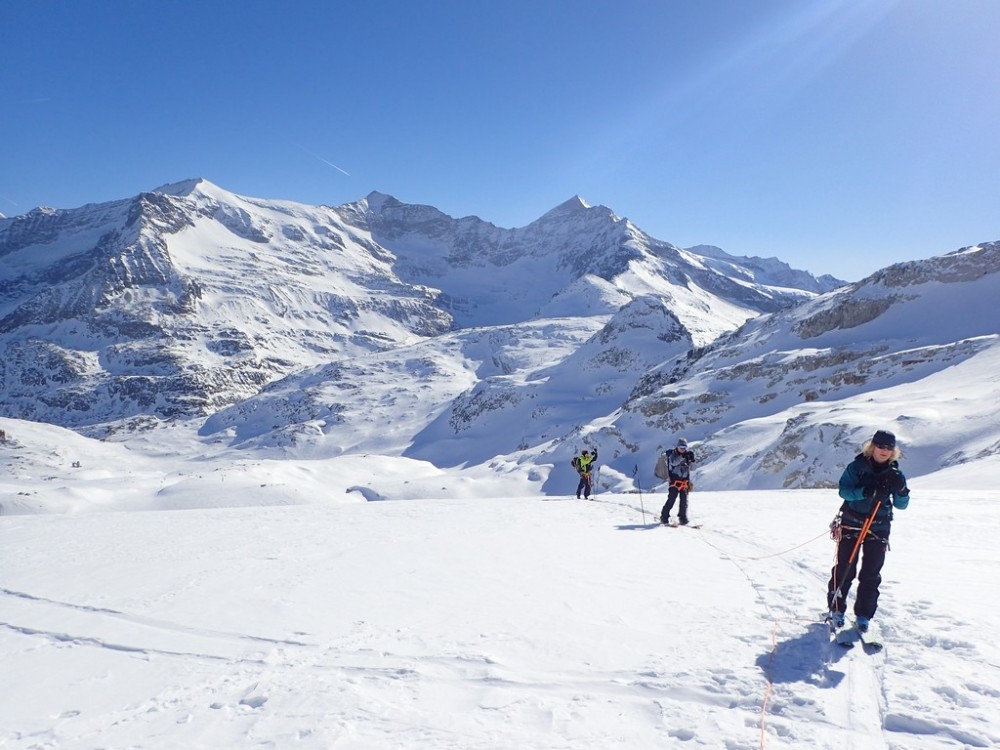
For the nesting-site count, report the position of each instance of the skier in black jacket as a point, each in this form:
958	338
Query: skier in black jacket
871	484
675	466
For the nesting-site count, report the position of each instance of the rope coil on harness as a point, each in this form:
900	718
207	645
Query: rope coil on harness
836	527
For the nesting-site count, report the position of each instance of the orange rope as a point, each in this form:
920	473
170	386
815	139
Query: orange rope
769	689
770	684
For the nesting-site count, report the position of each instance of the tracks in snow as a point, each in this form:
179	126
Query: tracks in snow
68	622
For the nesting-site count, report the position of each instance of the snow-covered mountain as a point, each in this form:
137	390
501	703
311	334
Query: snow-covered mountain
380	327
189	298
914	348
777	403
183	300
576	259
765	270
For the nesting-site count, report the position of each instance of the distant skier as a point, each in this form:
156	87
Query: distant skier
871	486
674	466
584	464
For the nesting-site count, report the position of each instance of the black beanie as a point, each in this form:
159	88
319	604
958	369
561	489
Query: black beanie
884	439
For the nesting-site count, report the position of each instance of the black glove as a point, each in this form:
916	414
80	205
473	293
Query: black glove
868	491
895	482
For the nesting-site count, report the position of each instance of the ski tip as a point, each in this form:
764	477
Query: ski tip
846	636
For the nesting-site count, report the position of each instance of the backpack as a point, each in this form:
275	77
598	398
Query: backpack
575	462
660	472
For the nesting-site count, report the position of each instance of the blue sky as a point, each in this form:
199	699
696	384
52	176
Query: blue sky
838	136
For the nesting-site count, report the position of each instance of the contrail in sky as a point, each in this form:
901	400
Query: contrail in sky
328	163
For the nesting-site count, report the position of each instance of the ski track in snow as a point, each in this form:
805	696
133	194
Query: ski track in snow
692	670
861	704
814	682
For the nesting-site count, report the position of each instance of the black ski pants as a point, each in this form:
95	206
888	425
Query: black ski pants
584	485
672	494
872	553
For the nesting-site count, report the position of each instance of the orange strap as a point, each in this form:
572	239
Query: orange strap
864	532
681	484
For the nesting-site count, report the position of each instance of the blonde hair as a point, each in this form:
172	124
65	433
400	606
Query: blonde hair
868	449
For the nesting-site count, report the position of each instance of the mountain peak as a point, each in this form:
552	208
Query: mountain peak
575	202
573	205
183	188
198	187
378	201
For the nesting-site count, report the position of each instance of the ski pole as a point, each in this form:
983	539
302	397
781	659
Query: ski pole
857	545
635	471
864	532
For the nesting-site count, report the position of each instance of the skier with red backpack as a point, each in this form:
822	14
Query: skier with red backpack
675	466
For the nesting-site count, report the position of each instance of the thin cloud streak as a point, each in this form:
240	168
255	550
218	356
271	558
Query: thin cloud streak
325	161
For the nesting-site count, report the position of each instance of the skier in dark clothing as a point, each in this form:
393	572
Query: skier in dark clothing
584	464
675	466
871	486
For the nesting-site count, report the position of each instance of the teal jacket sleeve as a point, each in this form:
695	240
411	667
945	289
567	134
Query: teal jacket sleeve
852	487
902	500
853	481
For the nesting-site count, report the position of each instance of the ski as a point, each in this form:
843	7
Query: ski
846	636
675	525
843	635
871	638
